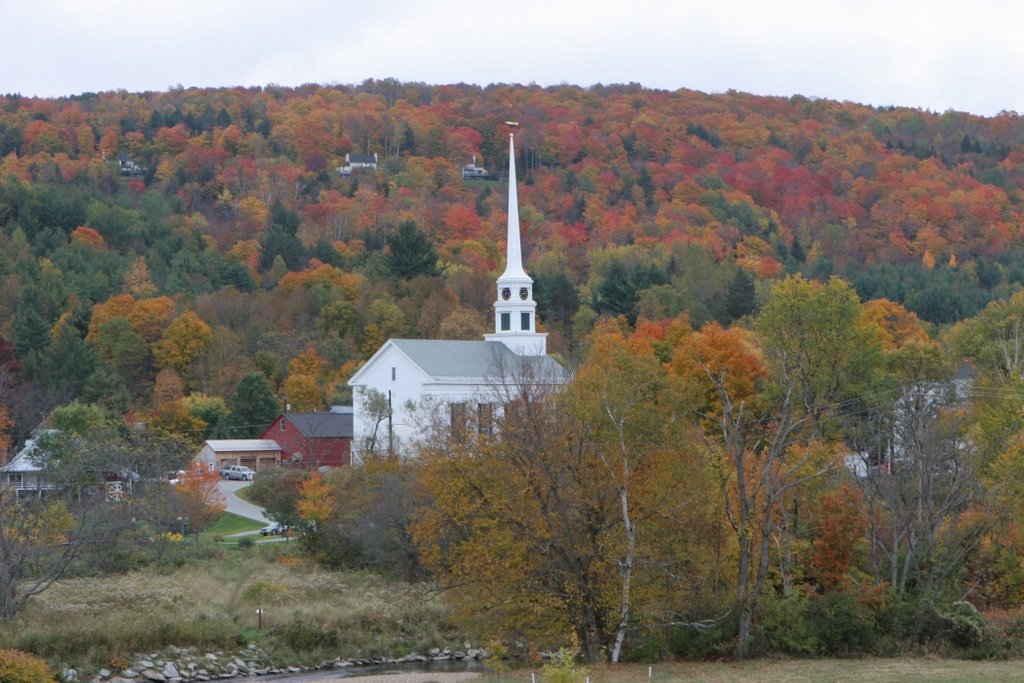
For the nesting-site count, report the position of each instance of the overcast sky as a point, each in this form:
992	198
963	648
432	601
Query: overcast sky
935	55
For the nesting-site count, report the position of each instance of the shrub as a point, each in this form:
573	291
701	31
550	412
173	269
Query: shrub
21	667
929	623
843	625
561	668
965	627
782	626
303	636
715	638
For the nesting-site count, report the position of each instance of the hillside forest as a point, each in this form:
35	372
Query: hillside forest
795	327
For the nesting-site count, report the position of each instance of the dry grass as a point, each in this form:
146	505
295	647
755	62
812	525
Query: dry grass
308	613
868	670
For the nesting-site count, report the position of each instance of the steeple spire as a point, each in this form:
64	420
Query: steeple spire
514	309
513	249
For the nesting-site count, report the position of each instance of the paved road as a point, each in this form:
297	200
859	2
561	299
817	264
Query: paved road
238	506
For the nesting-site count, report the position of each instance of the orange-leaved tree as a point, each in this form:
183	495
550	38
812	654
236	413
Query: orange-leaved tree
201	497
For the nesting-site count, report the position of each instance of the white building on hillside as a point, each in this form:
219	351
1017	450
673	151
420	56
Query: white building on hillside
391	390
24	473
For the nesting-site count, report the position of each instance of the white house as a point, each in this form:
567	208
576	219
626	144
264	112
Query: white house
354	162
24	473
404	376
474	172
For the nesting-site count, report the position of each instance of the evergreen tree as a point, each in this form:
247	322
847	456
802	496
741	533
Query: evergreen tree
253	406
557	297
67	363
618	292
740	299
288	220
411	252
797	252
30	331
279	242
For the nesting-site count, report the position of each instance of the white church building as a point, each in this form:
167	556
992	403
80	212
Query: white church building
393	392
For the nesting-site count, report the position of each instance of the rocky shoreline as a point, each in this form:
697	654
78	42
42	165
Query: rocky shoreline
180	665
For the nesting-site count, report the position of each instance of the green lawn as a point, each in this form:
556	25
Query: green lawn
245	493
230	523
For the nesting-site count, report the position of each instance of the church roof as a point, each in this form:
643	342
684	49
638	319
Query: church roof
475	359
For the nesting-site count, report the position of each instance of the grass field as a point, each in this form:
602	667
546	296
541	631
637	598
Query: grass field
209	599
309	614
868	670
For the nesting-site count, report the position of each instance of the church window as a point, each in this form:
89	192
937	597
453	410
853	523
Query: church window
393	374
506	322
485	418
524	293
457	413
524	321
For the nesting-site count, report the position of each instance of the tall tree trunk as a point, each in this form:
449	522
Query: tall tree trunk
627	575
743	598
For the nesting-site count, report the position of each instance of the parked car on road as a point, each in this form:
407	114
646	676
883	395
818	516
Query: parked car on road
273	529
237	472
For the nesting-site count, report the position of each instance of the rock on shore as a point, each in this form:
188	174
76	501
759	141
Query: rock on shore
176	665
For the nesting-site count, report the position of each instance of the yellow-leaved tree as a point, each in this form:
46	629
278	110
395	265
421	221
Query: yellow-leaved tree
182	343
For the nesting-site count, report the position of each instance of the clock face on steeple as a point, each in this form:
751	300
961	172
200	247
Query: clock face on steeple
524	293
506	293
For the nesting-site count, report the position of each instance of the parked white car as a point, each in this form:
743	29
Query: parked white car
237	472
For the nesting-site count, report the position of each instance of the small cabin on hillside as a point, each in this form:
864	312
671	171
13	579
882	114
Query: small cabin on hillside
474	172
128	166
355	162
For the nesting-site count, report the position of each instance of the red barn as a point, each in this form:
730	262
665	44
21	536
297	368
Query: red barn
313	440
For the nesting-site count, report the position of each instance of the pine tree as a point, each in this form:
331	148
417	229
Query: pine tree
411	252
740	299
253	406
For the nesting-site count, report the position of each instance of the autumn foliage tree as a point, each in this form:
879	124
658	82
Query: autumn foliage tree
838	527
182	342
623	414
201	498
565	517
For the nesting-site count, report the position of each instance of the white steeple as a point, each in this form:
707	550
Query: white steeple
513	250
514	309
